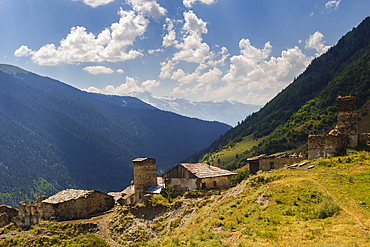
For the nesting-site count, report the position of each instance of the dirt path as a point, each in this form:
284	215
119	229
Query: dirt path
103	230
342	207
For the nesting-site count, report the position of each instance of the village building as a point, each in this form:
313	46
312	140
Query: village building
268	162
344	135
66	204
6	214
200	176
75	204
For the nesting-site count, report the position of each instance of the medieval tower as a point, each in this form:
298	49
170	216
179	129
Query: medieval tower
347	124
145	176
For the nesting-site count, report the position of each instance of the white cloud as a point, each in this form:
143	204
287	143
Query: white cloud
80	46
23	51
178	74
167	69
332	5
151	52
149	84
95	3
316	42
211	76
129	87
254	70
149	7
192	49
119	71
170	38
311	14
96	70
190	3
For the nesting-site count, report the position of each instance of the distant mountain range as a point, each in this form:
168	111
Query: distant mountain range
225	111
54	136
308	105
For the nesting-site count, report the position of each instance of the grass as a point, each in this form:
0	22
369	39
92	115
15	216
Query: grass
232	155
316	207
328	205
56	234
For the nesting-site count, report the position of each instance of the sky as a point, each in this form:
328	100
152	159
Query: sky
199	50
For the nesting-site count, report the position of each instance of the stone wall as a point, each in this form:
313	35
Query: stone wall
81	207
6	214
221	182
347	123
344	135
29	214
277	163
322	145
365	138
145	176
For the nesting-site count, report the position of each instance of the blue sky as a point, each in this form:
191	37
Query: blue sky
199	50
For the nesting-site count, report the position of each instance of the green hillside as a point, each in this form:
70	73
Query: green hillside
308	104
54	136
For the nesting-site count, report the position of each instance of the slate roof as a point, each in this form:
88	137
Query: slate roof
202	170
156	189
140	159
69	194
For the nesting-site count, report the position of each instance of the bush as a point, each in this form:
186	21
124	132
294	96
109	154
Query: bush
241	175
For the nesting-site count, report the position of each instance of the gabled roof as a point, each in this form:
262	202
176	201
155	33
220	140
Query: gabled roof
68	195
202	170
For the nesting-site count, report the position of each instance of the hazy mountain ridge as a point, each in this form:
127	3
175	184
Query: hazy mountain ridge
225	111
54	136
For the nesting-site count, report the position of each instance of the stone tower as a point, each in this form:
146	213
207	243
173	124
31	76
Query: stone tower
347	124
145	176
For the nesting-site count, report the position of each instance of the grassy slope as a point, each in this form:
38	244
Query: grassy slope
232	156
328	205
299	202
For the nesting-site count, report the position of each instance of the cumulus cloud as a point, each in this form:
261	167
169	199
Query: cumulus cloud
332	5
190	3
130	86
167	68
316	42
151	52
149	84
119	71
170	38
255	71
96	70
95	3
149	7
23	51
211	76
192	49
80	46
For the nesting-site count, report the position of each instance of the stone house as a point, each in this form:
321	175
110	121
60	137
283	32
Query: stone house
185	177
126	197
266	163
75	204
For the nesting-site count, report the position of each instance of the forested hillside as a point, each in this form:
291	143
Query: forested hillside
54	136
308	104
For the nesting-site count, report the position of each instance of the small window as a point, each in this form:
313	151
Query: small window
271	165
203	185
214	184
